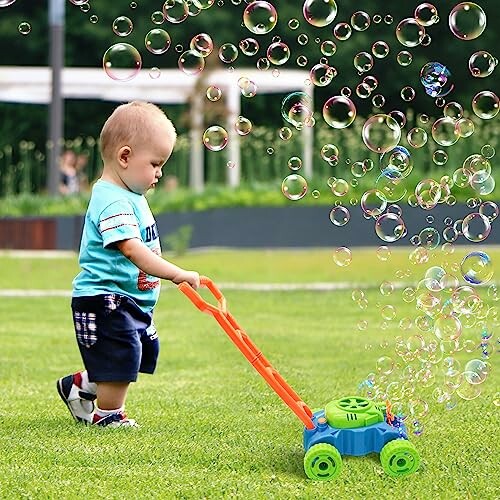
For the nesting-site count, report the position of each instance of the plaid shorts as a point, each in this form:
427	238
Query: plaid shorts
116	338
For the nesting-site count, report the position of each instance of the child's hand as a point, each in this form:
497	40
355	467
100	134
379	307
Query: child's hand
191	277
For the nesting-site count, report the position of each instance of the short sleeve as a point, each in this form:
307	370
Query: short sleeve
118	222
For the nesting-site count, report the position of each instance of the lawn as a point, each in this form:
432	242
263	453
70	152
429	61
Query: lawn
210	427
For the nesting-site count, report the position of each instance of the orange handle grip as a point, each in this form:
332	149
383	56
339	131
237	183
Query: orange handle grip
198	301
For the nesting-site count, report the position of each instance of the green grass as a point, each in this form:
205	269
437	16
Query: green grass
210	427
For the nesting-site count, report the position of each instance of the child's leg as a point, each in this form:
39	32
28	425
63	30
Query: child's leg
111	395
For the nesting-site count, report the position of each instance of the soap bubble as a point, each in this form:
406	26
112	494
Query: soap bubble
404	58
214	93
429	238
321	74
24	28
466	390
297	108
342	31
329	152
477	367
249	46
157	41
278	53
260	17
465	127
342	256
390	227
447	327
477	268
154	72
435	77
476	227
157	17
416	137
319	13
407	93
294	187
481	64
381	133
488	151
215	138
439	157
380	49
228	53
122	62
328	48
340	215
202	43
428	193
175	11
409	32
122	26
426	14
485	105
339	112
363	61
6	3
489	209
453	110
445	131
243	126
339	187
467	20
373	202
385	365
360	21
191	62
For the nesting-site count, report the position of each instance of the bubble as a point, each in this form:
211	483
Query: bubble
490	210
390	227
157	17
386	288
339	112
248	87
315	194
477	268
328	48
278	53
6	3
24	28
476	227
342	31
465	127
481	64
466	390
285	133
428	193
426	14
399	116
378	101
435	77
485	104
404	58
191	62
447	327
228	53
439	157
329	153
477	367
202	43
215	138
175	11
467	20
319	13
340	187
263	64
122	26
321	74
297	108
407	93
409	33
371	82
453	110
381	133
363	91
293	24
380	49
94	19
385	365
340	216
362	324
154	73
342	256
243	126
445	131
214	93
360	21
85	7
294	187
488	151
260	17
122	62
157	41
294	163
249	46
417	137
373	202
363	61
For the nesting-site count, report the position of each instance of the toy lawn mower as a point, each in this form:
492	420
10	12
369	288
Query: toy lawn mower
347	426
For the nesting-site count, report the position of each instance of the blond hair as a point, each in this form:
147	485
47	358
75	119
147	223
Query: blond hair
132	124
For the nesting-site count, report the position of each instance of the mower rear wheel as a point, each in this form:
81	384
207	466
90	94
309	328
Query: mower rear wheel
322	462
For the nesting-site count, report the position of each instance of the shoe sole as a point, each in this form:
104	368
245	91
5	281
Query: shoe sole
65	401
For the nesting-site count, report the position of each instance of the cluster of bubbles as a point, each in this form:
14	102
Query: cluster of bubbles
451	319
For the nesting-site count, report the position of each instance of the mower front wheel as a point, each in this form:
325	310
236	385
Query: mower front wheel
322	462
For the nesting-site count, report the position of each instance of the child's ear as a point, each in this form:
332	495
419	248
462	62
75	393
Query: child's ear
124	156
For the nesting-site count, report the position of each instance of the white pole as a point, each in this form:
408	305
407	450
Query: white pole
196	163
234	109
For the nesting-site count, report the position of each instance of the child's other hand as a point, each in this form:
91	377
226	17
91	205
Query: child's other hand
191	277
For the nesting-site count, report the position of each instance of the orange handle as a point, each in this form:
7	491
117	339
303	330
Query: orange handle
242	341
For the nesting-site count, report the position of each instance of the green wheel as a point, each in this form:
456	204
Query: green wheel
399	458
322	462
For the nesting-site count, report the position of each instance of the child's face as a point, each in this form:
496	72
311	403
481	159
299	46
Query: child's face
143	163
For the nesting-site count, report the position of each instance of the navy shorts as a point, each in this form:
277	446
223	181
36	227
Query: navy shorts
116	338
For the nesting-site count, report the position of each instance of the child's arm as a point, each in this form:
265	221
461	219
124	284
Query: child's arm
146	260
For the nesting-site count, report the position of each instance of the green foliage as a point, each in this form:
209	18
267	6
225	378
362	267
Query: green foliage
179	240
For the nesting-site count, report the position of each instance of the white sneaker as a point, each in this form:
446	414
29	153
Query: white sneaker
79	403
118	419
